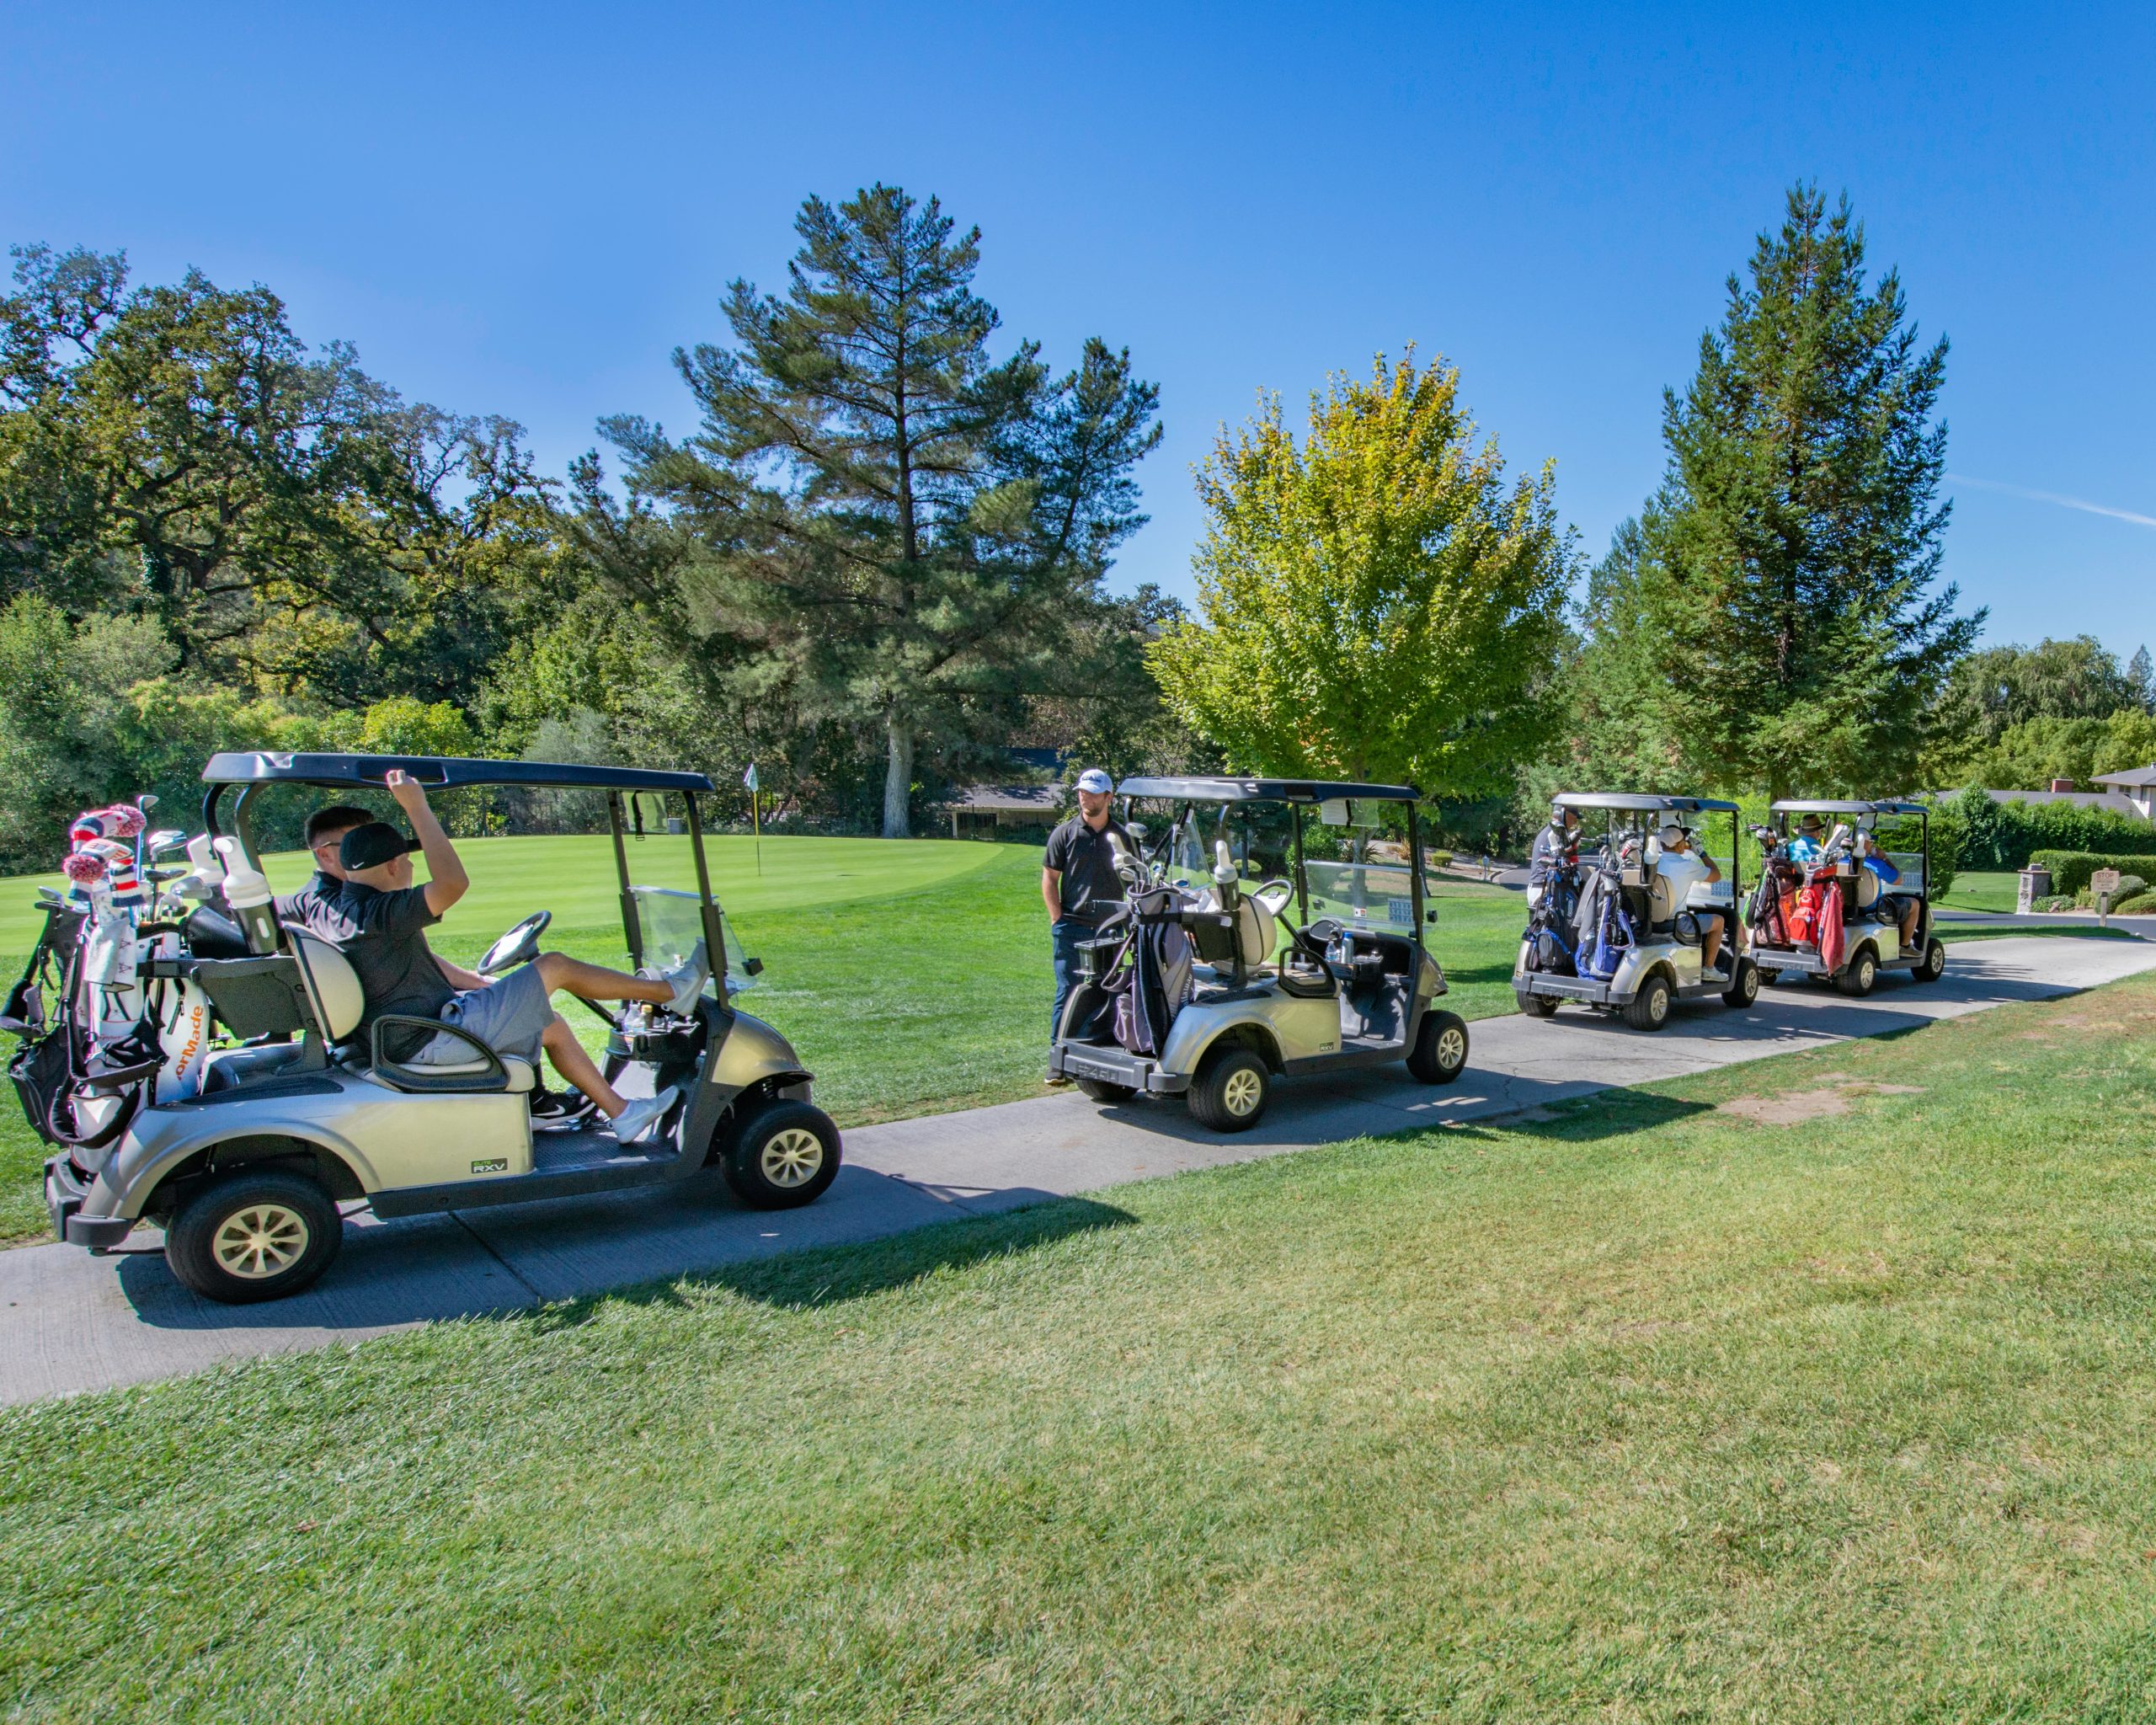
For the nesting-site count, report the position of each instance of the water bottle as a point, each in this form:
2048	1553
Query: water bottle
247	892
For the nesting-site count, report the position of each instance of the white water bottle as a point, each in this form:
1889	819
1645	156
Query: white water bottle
247	892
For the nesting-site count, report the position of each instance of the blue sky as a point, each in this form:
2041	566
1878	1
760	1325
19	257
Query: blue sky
522	209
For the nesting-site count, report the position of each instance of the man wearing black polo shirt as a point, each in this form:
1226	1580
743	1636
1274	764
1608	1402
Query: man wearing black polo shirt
1078	883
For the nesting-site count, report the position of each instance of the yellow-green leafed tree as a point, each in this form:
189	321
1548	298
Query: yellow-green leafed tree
1376	603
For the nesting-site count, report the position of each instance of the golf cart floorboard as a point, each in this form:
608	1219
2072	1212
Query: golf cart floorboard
563	1152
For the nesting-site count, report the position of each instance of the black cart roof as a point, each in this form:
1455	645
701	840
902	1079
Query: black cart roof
1643	803
1263	790
1820	805
438	771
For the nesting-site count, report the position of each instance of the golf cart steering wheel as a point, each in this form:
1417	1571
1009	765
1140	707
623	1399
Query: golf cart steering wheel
519	946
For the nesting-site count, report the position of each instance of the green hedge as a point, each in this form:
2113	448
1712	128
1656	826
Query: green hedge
2009	834
2140	905
2071	870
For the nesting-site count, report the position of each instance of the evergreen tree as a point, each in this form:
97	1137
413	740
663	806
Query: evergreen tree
877	515
2141	679
1790	583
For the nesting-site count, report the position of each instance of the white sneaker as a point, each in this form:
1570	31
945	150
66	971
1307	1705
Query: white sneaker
688	979
641	1115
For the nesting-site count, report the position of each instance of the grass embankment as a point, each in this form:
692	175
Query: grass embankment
912	977
1982	889
1814	1388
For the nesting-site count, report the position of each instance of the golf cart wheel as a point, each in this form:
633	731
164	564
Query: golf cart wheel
1768	976
1440	1050
1102	1090
1743	987
1934	960
1862	971
783	1156
1230	1090
252	1236
1650	1007
1537	1006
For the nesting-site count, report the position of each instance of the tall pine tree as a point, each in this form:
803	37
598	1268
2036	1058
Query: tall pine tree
1790	576
906	533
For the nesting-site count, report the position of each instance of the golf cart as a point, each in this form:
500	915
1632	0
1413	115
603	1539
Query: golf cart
243	1143
1206	986
1609	934
1836	917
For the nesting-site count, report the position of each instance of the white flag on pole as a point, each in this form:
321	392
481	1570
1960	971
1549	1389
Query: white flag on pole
749	778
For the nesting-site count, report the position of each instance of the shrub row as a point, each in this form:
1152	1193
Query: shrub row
2009	834
2071	870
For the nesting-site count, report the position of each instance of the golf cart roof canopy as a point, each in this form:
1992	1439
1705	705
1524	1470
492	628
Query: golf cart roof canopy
1816	806
1640	803
437	771
1263	790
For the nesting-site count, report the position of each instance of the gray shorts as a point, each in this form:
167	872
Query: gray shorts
509	1015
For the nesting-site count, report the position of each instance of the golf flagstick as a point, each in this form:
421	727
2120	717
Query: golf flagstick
755	817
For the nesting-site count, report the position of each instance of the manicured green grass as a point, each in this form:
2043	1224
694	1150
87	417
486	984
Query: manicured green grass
1818	1389
911	977
1982	889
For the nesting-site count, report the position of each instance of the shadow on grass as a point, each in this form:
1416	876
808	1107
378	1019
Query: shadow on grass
830	1275
494	1265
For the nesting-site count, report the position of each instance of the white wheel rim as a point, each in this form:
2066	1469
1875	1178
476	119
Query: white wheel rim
1659	1005
259	1239
1452	1050
792	1157
1243	1091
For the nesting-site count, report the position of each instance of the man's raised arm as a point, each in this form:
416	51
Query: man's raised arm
446	881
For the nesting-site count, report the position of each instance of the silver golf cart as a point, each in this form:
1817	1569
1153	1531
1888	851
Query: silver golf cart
1608	933
295	1114
1274	927
1871	935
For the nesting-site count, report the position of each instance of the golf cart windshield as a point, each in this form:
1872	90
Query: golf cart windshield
1355	867
671	924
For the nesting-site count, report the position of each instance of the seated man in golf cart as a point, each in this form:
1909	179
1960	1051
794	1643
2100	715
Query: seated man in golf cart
1683	867
378	918
1899	907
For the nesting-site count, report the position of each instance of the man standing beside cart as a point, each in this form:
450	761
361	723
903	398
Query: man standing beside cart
1078	884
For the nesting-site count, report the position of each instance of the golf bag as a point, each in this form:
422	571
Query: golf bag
1604	927
1156	982
1551	941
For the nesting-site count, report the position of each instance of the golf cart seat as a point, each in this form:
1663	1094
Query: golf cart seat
336	1003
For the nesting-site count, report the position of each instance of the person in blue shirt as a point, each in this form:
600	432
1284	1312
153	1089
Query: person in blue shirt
1805	848
1904	907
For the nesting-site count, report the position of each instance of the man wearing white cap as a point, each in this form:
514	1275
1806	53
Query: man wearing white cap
1079	883
1683	868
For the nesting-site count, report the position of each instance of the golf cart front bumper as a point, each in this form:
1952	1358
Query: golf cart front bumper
1115	1065
64	1192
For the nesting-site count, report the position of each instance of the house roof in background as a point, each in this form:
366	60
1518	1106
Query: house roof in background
2135	778
1007	800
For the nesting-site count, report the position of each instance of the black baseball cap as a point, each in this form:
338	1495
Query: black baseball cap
370	846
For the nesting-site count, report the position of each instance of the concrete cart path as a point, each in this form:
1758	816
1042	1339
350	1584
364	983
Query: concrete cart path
70	1322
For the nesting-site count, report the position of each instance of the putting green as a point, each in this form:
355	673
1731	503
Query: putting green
573	877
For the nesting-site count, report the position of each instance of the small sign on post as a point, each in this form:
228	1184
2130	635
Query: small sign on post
2104	882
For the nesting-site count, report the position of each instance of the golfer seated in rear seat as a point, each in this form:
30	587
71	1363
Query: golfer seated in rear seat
378	919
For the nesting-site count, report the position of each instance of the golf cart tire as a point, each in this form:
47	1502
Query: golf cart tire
293	1217
1934	960
1536	1006
784	1155
1862	973
1649	1009
1743	987
1105	1090
1440	1052
1231	1089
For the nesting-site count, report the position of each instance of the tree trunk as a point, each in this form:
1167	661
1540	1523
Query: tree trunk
898	780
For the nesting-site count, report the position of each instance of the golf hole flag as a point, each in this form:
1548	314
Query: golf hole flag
749	778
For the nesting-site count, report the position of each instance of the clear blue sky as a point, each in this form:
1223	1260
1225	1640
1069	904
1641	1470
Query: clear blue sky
523	208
